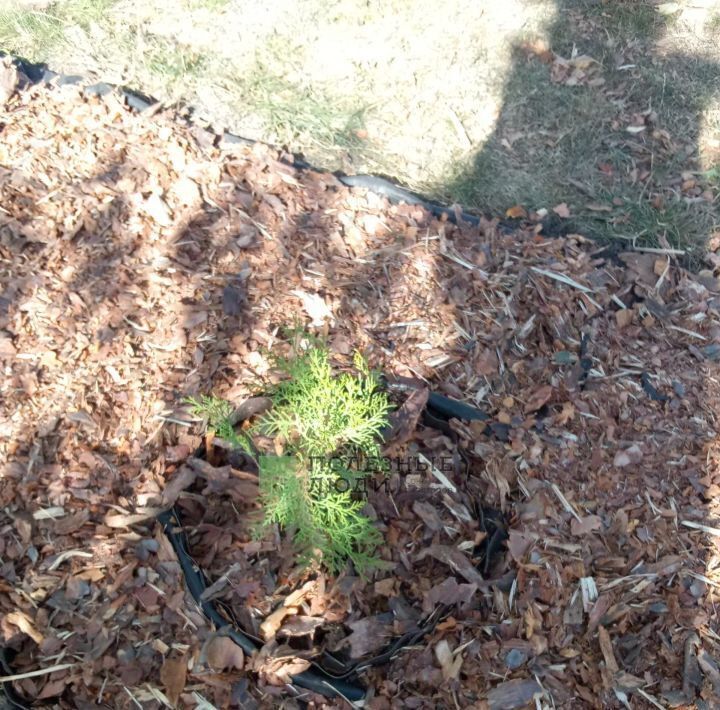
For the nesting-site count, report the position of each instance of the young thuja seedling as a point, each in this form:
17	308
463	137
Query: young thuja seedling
321	421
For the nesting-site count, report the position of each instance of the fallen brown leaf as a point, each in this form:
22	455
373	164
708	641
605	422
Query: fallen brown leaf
457	561
23	622
538	398
223	653
181	480
516	212
562	210
173	676
513	694
448	592
369	634
449	663
404	421
585	525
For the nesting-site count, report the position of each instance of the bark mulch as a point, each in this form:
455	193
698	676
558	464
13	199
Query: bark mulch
140	263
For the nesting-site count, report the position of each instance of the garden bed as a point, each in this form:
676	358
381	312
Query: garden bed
333	625
142	263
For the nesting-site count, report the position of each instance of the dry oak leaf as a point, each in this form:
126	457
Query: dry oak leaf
173	676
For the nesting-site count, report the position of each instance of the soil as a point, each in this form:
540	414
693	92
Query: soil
142	262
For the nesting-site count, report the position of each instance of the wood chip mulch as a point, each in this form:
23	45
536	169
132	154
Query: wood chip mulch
140	264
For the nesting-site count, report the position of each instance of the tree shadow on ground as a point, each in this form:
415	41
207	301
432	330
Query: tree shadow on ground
617	137
127	273
418	296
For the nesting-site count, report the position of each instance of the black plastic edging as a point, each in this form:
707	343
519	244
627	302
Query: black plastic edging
445	408
139	102
313	680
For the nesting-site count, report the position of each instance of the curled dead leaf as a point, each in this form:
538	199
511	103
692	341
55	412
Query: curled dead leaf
222	653
449	662
271	624
277	664
23	622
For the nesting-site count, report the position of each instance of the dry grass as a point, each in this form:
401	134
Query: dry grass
440	97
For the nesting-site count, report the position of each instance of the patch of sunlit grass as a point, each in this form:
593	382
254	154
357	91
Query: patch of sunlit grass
171	62
296	113
35	33
28	32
